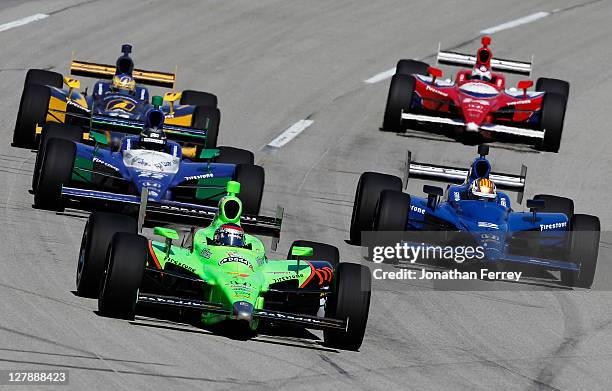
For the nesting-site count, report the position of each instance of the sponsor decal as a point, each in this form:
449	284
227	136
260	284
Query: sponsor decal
236	259
181	264
243	218
102	162
417	209
120	104
151	184
485	224
240	288
295	318
151	174
238	274
519	102
546	227
238	283
75	104
152	140
428	88
292	276
481	102
205	253
201	176
162	165
490	237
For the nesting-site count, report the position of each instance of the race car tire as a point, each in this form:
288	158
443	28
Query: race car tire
32	111
44	77
544	84
551	122
55	170
369	187
97	235
411	67
556	204
235	156
252	178
349	299
49	131
392	211
198	98
399	99
320	252
207	117
585	249
125	263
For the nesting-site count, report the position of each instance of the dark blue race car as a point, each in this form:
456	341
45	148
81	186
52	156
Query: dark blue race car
147	168
120	94
550	236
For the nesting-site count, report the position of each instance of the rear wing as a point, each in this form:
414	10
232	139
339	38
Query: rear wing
197	215
128	126
454	175
177	213
103	71
497	64
102	123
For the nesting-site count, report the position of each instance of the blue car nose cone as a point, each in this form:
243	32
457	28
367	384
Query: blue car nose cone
243	311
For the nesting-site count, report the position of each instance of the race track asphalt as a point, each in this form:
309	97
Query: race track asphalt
272	63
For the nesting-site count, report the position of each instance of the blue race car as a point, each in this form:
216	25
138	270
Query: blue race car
147	167
120	93
551	236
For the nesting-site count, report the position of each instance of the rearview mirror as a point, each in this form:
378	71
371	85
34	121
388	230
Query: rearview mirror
298	251
72	83
166	233
534	205
172	97
524	85
209	153
434	72
98	138
433	190
433	195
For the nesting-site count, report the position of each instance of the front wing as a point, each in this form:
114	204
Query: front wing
313	322
509	130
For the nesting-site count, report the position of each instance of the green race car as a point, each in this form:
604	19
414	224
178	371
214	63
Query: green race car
224	275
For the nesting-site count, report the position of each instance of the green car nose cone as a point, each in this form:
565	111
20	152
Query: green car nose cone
157	101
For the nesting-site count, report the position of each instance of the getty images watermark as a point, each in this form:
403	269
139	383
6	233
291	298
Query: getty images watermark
410	253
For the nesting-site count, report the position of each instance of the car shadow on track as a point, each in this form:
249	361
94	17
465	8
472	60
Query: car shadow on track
267	333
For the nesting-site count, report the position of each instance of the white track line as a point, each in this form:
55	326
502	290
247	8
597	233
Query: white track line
381	76
516	22
22	21
290	133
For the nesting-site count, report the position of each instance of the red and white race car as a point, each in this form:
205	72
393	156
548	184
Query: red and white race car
478	101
